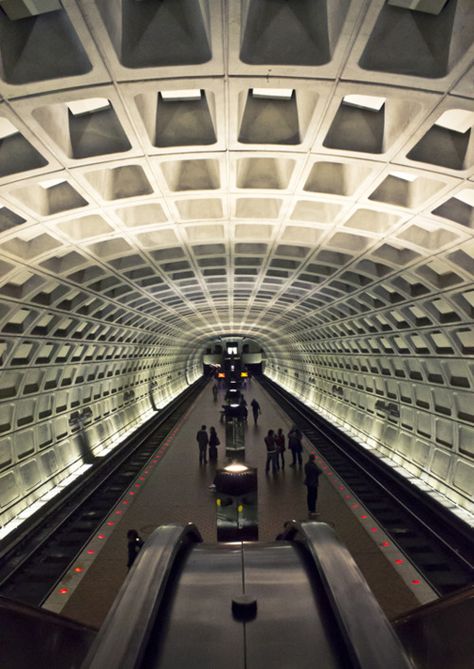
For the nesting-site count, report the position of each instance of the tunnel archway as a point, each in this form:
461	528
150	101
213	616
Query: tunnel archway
292	179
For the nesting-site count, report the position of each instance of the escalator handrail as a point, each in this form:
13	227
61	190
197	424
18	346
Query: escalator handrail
122	639
370	639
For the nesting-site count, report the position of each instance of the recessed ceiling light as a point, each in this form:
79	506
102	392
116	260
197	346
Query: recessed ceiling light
185	94
87	106
273	93
364	101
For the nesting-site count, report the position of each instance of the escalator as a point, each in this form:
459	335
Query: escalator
299	601
282	604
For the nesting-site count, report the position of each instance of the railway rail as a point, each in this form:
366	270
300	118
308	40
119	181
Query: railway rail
437	543
33	559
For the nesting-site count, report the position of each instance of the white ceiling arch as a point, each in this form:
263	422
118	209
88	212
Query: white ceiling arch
297	172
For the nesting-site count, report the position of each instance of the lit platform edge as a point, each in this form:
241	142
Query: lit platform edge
463	514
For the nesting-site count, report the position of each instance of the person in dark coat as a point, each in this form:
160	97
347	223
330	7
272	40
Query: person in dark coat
295	445
280	442
135	542
213	444
202	439
255	410
311	481
243	411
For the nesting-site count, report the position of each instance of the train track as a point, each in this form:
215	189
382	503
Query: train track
33	560
437	543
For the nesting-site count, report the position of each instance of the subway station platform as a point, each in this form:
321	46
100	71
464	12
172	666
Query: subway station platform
174	488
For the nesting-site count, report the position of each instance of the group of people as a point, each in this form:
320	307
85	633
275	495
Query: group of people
275	444
276	447
206	441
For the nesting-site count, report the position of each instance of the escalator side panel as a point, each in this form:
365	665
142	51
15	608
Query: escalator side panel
369	637
32	637
439	635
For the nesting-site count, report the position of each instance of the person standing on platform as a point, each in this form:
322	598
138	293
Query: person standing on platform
134	544
295	446
202	439
280	442
213	444
255	410
243	411
215	391
311	481
272	453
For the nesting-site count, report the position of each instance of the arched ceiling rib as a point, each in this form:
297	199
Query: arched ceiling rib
298	172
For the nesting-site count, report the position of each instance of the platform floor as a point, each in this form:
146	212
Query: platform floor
177	491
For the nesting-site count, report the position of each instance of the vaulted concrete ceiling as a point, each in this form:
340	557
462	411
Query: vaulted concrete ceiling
300	172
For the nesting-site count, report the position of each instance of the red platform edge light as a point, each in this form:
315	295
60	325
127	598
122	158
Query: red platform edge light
78	569
339	484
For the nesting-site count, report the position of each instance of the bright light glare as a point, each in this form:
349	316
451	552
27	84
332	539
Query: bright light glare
273	93
185	94
32	509
236	468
